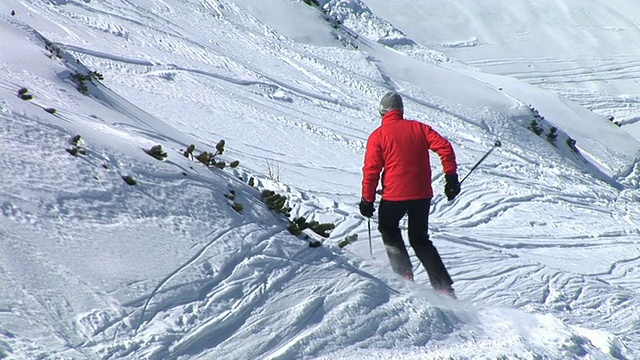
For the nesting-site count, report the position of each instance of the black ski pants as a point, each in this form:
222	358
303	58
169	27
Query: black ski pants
389	215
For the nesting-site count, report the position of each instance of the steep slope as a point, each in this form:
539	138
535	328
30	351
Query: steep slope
167	269
434	25
580	50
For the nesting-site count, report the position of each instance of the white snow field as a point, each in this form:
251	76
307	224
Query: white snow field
189	263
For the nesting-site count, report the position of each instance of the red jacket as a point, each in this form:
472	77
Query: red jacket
400	148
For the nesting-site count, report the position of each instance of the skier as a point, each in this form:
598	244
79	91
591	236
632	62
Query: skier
399	149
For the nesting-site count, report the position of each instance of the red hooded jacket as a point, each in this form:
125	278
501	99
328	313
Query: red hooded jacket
400	148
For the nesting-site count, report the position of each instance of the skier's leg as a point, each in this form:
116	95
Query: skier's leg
425	251
389	215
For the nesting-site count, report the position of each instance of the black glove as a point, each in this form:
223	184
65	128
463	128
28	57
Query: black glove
452	186
366	208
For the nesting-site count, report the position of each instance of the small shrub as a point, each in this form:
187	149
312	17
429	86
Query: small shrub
315	244
322	229
50	110
157	152
237	207
234	164
300	223
273	172
81	80
294	229
252	181
129	180
348	240
53	49
220	147
22	91
276	202
76	140
614	121
206	158
189	152
552	135
535	127
296	226
95	75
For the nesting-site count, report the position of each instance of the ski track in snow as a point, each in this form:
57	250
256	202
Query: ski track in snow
564	77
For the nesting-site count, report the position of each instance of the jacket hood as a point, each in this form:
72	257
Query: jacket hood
392	115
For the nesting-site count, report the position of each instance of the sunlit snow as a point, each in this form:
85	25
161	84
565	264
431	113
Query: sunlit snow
189	263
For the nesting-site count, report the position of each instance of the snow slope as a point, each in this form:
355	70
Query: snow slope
582	50
542	242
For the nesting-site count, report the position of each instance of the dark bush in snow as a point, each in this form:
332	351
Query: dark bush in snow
157	152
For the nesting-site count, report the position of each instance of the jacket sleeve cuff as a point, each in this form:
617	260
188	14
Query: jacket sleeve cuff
451	177
364	198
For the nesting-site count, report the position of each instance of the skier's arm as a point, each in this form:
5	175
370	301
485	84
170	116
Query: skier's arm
373	162
443	148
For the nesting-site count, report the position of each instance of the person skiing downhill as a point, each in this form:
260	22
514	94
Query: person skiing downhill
399	149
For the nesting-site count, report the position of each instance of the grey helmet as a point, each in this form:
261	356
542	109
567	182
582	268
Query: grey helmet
390	101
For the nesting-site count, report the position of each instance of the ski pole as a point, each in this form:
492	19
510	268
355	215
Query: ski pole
495	145
369	228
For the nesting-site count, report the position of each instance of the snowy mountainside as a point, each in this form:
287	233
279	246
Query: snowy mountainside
583	51
167	269
621	156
